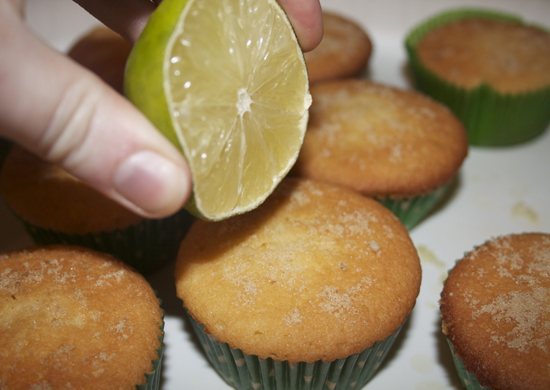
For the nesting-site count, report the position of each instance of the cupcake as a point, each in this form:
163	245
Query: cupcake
57	208
343	52
309	290
73	318
495	308
397	146
490	68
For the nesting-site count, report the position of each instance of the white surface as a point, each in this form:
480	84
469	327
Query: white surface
500	191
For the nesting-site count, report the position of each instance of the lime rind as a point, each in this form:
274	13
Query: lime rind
143	83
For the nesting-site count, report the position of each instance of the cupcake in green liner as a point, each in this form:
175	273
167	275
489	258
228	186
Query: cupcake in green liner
250	372
397	146
490	68
57	208
495	314
308	291
74	318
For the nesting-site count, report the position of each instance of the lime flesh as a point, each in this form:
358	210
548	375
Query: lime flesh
226	82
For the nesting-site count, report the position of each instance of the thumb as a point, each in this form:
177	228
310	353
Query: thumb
67	115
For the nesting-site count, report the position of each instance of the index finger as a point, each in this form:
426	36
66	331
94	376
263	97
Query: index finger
307	19
129	17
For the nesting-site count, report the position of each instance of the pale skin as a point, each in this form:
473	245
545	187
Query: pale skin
62	112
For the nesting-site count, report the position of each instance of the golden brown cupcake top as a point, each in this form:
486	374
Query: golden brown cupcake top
46	196
496	311
510	57
380	140
71	318
316	272
344	50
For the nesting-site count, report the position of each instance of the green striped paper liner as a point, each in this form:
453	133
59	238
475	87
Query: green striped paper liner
490	118
248	372
146	246
411	211
468	380
153	378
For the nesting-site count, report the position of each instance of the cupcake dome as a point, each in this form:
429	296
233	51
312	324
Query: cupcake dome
57	208
395	145
318	278
344	51
45	195
495	307
72	318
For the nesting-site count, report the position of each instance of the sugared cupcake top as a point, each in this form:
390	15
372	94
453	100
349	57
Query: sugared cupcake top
496	311
343	52
509	56
71	318
316	272
380	140
46	196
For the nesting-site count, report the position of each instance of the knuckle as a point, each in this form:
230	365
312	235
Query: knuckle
71	122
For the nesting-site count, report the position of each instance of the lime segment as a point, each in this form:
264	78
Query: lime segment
234	84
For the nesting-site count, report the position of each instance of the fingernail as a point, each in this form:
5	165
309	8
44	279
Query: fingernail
153	183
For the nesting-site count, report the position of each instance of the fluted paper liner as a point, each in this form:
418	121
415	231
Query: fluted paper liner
468	380
411	211
248	372
146	246
153	377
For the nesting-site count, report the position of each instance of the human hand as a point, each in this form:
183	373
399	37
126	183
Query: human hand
307	19
66	114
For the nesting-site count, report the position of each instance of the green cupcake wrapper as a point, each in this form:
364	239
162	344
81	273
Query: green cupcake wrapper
146	246
152	379
411	211
248	372
468	380
490	118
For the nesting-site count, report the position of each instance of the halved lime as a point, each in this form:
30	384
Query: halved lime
227	83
